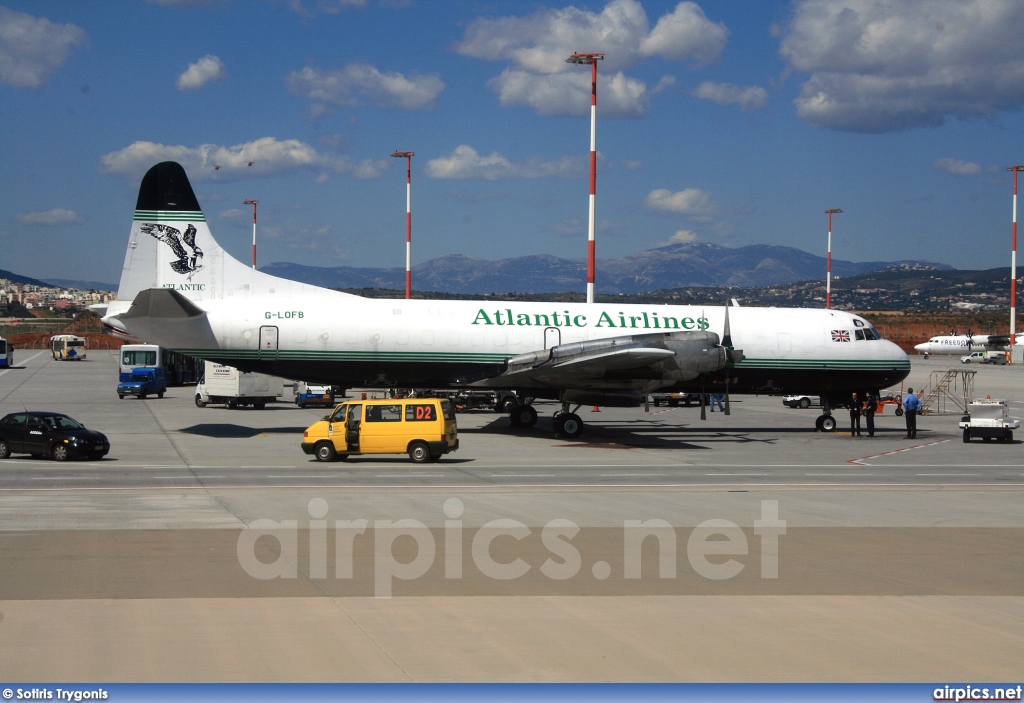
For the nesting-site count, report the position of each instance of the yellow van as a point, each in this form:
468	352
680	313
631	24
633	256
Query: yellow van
423	428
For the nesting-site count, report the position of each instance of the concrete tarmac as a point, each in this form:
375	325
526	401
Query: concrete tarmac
898	560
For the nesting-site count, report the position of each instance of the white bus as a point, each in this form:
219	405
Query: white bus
68	347
180	369
6	354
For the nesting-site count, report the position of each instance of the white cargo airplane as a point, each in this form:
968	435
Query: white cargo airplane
964	344
181	290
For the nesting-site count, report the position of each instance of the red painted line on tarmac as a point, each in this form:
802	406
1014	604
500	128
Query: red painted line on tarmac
895	451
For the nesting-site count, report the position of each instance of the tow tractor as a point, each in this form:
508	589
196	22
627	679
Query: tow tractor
987	419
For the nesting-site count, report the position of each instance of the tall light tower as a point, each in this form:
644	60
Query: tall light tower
253	203
1013	262
592	59
828	280
408	219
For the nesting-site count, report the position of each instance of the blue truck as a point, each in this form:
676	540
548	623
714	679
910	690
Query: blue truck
142	382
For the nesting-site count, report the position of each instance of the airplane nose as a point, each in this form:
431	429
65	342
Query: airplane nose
919	347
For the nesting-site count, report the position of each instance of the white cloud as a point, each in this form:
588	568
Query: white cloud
691	201
748	98
357	83
537	45
568	94
209	68
232	214
268	155
465	162
882	67
327	7
957	167
683	236
56	216
32	48
686	34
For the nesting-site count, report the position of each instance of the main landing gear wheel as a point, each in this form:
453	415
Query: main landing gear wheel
825	423
568	425
523	416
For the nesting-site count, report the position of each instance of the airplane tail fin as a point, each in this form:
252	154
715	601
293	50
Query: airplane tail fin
171	246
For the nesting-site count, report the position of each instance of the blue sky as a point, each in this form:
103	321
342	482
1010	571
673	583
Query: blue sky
725	121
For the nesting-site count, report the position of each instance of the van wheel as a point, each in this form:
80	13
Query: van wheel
200	403
419	452
325	452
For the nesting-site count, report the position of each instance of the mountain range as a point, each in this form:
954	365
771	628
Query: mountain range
667	267
671	266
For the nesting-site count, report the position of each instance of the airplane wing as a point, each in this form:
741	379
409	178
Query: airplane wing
634	361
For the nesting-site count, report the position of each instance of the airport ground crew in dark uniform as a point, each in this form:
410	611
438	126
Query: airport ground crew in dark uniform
869	414
854	415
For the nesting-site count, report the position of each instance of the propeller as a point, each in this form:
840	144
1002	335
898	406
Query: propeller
732	356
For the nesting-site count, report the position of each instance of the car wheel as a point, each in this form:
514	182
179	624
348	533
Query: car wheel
160	394
121	396
200	403
805	403
60	452
325	452
828	424
5	449
419	452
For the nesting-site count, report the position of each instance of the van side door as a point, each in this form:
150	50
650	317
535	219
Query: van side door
353	421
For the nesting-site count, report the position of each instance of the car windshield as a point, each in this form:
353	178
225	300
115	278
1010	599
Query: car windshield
61	422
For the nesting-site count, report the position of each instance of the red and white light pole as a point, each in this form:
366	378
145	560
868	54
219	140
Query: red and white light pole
408	219
1013	262
253	203
828	280
592	59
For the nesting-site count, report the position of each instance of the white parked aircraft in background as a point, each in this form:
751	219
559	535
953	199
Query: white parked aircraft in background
958	344
181	290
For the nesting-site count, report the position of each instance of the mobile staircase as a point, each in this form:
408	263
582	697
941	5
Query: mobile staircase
955	387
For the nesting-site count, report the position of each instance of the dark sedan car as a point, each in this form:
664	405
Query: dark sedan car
45	434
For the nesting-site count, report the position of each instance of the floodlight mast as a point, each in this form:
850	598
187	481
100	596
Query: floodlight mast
828	279
253	203
408	219
592	59
1013	262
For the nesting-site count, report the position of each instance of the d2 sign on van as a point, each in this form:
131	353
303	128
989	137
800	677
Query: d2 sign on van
423	428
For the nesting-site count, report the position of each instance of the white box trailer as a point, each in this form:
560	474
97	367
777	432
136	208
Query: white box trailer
228	386
988	419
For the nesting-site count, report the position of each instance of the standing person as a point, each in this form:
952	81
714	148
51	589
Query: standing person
854	416
911	406
869	414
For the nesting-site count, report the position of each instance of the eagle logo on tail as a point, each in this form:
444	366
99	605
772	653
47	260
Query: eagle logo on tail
186	263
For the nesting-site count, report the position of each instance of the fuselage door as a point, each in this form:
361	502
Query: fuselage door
268	342
552	337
